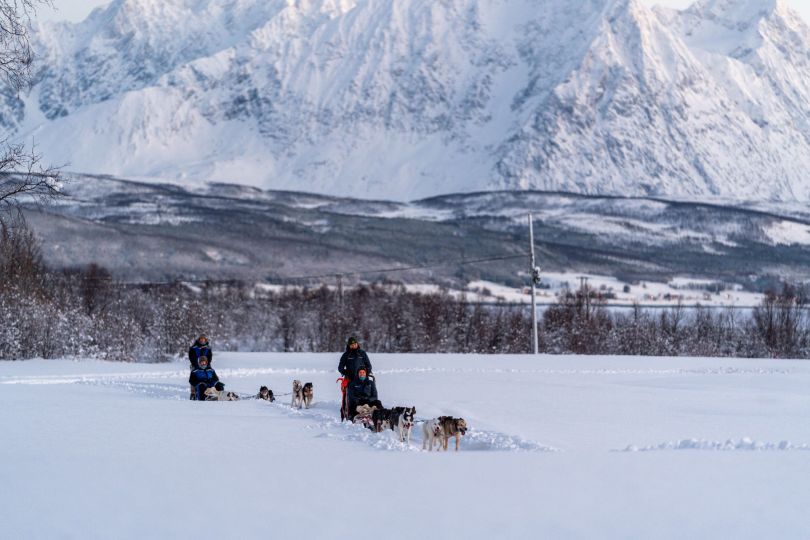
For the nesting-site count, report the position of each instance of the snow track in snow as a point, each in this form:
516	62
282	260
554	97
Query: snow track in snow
606	371
325	416
744	444
331	426
224	373
150	390
236	373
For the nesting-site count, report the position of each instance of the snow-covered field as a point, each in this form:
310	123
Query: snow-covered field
686	291
560	447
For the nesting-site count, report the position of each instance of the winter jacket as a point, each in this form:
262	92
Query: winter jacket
206	376
196	351
352	360
361	392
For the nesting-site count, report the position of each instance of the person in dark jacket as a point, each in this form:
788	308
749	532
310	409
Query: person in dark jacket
202	378
362	391
200	348
353	359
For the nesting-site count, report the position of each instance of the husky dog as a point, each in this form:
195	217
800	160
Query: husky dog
265	394
381	420
297	394
308	394
212	394
402	422
431	434
452	427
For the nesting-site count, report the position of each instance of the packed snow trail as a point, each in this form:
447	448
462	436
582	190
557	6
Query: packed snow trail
325	416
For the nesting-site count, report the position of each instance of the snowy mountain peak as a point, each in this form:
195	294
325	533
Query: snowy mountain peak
737	10
411	98
742	14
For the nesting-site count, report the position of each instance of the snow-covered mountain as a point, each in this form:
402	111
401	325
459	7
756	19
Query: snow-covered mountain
411	98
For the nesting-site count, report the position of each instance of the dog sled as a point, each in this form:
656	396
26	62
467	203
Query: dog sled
212	394
363	414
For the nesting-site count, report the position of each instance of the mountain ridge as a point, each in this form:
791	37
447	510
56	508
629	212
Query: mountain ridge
408	99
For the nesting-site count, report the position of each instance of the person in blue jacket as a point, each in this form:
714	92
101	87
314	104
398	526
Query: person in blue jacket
202	378
362	391
200	348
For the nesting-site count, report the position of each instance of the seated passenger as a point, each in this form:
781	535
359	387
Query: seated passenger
203	378
362	391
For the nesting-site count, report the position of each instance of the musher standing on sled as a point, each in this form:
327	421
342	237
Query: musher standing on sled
350	362
353	359
200	348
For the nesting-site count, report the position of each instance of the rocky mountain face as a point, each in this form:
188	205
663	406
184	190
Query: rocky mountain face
402	99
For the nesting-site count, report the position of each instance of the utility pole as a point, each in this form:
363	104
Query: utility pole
535	275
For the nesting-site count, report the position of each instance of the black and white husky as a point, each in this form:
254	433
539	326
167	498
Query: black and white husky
402	420
265	394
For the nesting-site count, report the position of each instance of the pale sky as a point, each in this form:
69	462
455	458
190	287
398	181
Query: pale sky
76	10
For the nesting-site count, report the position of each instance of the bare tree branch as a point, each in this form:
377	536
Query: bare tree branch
23	178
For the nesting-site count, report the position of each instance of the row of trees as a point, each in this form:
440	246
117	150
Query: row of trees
51	314
581	323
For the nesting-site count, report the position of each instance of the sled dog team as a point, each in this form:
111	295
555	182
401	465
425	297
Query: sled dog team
360	403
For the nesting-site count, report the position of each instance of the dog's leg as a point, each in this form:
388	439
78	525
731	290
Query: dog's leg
458	440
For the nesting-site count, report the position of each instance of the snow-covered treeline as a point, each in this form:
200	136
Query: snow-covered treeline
85	313
580	323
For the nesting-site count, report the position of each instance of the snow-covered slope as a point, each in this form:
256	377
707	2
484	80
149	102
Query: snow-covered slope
559	447
150	231
411	98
